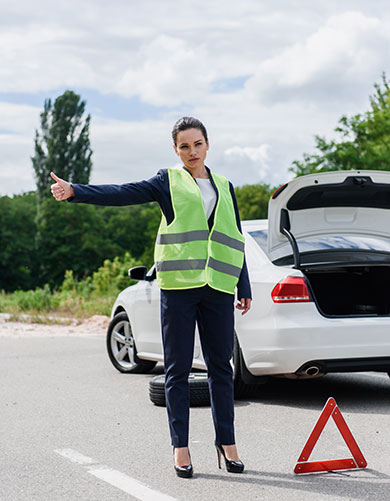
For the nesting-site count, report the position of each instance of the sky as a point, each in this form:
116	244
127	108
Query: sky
264	77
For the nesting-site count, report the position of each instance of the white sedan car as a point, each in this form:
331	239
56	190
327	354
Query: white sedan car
320	275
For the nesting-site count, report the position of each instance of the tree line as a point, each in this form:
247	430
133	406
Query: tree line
40	238
79	237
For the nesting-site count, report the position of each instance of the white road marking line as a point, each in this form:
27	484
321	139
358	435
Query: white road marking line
128	484
114	477
74	456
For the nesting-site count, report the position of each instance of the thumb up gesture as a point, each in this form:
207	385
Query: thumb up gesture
61	190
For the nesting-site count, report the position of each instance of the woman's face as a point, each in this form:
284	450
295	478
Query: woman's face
191	147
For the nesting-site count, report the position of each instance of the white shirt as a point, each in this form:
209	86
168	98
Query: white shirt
209	196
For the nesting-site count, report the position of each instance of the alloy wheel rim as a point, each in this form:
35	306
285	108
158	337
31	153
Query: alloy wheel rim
122	345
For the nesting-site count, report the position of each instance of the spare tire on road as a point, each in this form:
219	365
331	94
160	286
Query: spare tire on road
199	389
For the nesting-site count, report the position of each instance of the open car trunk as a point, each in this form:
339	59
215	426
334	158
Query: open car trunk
350	290
335	228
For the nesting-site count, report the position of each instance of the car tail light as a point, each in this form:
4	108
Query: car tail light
278	191
291	290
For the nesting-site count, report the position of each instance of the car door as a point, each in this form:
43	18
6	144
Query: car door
146	319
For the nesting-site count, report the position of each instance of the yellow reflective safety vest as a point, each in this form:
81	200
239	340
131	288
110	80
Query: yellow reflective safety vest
187	254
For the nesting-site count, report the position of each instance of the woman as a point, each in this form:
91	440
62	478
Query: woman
199	255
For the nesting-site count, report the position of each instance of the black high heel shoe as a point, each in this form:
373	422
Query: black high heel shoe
231	466
183	471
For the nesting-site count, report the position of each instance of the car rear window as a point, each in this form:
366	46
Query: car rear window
260	236
329	242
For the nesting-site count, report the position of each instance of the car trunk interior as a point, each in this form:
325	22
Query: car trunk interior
350	290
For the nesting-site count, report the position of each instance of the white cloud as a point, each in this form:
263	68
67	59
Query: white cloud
257	155
167	72
17	123
18	118
309	63
42	57
252	159
166	58
129	151
334	58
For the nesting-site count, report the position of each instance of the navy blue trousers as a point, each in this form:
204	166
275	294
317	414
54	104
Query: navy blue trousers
214	313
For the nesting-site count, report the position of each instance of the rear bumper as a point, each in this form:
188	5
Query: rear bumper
292	337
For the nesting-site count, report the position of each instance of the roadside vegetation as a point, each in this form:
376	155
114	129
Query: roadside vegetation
93	295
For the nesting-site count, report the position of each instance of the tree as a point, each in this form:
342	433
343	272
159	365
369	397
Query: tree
70	236
364	140
80	237
63	144
133	229
17	252
252	200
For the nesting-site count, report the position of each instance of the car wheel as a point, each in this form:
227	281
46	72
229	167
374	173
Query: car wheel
241	389
121	347
199	390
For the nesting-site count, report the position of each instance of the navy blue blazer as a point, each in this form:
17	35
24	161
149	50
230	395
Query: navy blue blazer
155	189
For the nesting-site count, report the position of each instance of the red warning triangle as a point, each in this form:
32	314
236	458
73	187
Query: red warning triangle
357	460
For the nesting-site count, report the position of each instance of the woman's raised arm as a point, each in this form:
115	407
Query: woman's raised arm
155	189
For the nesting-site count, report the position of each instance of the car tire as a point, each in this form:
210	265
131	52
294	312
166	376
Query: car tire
121	347
199	390
241	389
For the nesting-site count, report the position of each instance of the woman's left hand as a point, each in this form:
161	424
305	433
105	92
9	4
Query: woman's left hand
244	304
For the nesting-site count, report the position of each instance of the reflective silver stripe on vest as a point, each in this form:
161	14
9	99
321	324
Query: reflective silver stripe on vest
181	264
221	238
229	269
180	238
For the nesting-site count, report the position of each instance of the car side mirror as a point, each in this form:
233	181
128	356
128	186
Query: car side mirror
138	272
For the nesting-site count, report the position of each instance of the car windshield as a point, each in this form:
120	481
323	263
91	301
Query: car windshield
329	242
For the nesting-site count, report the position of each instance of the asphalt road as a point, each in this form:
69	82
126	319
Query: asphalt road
73	428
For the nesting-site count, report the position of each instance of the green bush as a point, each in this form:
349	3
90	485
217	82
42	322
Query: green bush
113	276
40	299
6	303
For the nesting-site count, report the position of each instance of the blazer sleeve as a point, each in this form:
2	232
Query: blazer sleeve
138	192
243	285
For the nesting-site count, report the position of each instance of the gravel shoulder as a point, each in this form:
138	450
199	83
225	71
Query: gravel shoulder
93	326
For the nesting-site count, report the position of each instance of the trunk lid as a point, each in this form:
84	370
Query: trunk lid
342	207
